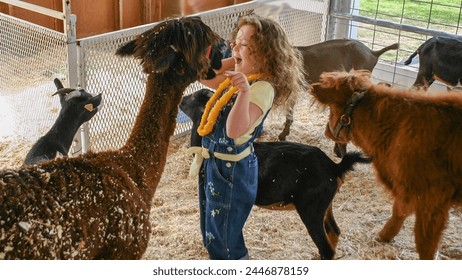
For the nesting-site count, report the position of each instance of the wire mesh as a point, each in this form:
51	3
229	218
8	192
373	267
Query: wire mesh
31	57
410	23
122	81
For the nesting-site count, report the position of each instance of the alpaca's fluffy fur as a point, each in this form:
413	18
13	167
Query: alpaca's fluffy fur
96	206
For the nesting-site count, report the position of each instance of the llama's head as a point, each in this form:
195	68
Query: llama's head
184	49
76	103
341	92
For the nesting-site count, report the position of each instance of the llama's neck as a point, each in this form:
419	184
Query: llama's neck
156	120
148	142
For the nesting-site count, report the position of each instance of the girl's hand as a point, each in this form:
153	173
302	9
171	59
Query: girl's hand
239	80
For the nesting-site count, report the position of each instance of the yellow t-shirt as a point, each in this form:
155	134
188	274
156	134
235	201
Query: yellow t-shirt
262	95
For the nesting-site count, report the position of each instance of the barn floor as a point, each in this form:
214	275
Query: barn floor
361	207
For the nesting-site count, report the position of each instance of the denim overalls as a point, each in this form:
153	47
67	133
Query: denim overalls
227	192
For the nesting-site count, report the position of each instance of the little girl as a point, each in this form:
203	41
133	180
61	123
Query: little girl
266	70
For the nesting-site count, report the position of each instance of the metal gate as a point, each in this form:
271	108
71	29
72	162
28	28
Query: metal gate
91	63
378	23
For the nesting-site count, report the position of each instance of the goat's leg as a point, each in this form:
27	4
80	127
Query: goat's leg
331	227
429	226
312	215
286	130
424	78
289	109
339	150
401	211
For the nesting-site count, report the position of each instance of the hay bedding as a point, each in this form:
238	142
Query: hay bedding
360	208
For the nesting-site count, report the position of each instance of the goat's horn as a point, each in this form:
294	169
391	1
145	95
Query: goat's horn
72	94
63	91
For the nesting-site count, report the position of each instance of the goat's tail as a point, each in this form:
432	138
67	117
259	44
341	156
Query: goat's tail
349	160
378	53
409	60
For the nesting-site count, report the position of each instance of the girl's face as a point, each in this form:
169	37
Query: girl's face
244	61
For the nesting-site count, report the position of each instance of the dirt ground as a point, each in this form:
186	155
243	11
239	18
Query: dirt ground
361	207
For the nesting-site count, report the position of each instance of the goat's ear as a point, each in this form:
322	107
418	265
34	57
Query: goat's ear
58	83
209	94
203	96
127	49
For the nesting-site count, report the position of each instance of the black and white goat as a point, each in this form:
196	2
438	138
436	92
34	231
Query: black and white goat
291	176
77	107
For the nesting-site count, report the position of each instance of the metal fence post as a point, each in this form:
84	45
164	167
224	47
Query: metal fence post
338	28
81	139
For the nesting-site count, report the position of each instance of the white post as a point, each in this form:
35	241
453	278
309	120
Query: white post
338	28
81	138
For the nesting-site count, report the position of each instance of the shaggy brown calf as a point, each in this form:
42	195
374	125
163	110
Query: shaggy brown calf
334	55
97	206
414	142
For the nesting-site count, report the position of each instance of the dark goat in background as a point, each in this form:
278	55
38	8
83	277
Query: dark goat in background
440	58
291	176
77	107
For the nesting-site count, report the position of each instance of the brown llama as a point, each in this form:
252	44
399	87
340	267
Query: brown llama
97	205
414	144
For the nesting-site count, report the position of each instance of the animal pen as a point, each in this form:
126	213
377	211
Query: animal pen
32	56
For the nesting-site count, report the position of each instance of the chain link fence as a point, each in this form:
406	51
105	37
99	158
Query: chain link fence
122	81
30	57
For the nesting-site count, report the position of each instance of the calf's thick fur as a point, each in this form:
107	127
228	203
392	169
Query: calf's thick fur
414	142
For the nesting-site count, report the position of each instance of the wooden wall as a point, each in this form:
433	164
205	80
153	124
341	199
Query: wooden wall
102	16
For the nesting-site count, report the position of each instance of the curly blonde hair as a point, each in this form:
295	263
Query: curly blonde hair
280	61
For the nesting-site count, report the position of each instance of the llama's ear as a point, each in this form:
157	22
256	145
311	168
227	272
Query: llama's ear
165	62
127	49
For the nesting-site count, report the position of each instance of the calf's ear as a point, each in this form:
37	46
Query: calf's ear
320	93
